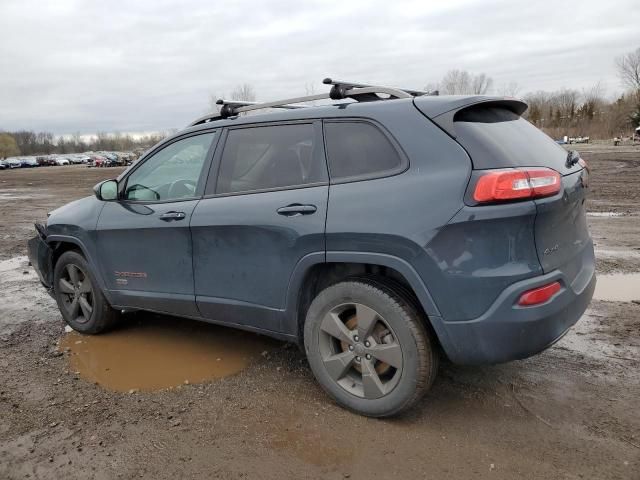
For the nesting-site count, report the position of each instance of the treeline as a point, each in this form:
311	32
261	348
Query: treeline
587	113
567	111
41	143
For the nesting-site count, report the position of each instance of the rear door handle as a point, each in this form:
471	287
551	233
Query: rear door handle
171	216
296	209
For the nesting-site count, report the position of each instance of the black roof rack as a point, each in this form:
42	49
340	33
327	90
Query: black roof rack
340	90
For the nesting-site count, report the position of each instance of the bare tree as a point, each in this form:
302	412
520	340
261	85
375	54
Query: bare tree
539	106
629	69
461	82
592	101
567	103
244	92
510	89
481	84
456	82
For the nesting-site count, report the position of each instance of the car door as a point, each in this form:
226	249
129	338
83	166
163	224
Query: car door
144	241
264	210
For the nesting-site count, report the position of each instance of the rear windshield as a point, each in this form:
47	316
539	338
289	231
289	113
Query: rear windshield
496	137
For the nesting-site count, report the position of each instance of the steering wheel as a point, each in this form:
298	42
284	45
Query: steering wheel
182	188
133	189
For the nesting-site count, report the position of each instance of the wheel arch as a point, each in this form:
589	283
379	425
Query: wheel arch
63	243
314	273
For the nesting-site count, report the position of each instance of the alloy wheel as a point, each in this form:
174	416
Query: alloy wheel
360	351
76	292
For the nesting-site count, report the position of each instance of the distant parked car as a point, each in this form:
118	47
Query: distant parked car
61	161
30	162
3	165
97	161
579	140
13	162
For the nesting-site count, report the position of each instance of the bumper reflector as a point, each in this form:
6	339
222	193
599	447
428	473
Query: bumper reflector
539	295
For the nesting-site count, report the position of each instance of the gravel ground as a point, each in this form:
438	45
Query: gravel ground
570	412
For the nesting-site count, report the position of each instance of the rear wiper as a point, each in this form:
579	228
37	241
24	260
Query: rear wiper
572	158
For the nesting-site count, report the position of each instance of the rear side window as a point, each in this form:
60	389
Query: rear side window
357	149
260	158
496	137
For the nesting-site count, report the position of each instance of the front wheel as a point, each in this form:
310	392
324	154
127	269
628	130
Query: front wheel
368	347
80	301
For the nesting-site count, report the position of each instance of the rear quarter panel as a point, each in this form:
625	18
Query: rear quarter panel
402	214
465	256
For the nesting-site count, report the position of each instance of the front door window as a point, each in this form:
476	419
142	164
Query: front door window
172	173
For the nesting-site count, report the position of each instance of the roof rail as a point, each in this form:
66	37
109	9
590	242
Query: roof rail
340	90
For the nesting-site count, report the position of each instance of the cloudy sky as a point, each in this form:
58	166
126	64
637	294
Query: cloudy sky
87	66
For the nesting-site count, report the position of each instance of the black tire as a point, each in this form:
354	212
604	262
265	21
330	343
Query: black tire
397	317
96	319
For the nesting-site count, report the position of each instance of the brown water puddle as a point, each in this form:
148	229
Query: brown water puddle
618	287
162	352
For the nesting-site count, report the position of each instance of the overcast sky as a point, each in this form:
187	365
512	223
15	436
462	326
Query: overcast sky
68	66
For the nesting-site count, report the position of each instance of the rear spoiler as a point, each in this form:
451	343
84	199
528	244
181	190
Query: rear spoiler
441	110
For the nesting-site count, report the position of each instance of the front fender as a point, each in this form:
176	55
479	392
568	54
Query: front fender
55	242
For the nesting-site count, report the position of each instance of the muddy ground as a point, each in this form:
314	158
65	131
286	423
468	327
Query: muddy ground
571	412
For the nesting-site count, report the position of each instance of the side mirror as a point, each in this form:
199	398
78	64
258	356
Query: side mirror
106	191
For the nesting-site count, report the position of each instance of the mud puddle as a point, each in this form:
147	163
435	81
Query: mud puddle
618	287
162	352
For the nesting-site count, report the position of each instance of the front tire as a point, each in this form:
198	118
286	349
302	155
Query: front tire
79	298
368	347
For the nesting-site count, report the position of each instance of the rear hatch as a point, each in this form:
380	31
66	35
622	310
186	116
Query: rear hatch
496	137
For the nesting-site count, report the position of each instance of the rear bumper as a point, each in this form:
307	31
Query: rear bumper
508	331
40	257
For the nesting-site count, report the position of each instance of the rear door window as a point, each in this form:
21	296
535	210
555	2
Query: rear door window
496	137
271	157
358	150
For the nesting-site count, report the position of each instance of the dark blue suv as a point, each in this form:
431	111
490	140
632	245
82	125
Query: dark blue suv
380	232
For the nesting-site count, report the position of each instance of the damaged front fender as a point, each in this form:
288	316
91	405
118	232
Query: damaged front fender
41	256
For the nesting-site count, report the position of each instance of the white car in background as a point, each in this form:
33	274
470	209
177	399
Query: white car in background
61	161
13	162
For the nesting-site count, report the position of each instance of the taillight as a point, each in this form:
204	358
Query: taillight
514	184
539	295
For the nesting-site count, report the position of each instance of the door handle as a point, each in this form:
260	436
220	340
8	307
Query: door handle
170	216
296	209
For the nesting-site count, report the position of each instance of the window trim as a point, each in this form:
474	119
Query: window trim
210	190
404	158
122	182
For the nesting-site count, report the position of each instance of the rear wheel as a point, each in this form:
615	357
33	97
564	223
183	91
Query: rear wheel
80	301
368	348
